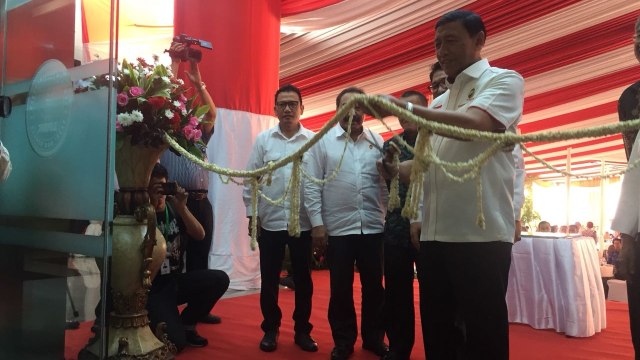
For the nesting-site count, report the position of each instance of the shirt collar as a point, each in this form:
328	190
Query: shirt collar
302	131
474	70
340	132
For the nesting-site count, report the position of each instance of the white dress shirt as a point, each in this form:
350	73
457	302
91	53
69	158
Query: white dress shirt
270	146
355	202
450	208
627	219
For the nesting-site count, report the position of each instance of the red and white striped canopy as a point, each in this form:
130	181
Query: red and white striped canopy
576	58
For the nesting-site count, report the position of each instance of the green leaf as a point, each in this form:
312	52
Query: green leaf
202	110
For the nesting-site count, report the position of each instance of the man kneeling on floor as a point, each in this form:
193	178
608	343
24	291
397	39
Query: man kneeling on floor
199	289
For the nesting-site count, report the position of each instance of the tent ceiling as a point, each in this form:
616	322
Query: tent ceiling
576	56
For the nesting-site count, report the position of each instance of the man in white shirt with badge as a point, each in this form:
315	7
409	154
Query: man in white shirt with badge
463	269
350	211
273	223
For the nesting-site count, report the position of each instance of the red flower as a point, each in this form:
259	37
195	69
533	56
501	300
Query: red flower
157	102
175	122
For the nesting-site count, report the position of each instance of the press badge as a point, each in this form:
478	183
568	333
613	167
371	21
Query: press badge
166	267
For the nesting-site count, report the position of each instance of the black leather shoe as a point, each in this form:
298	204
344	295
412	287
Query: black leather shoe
269	341
380	349
194	339
211	319
341	353
306	342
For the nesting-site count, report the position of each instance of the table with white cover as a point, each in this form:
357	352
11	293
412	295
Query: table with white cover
555	283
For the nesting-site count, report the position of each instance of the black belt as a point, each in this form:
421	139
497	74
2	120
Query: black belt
197	191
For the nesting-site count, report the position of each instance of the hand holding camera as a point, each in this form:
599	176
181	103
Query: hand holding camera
178	195
181	48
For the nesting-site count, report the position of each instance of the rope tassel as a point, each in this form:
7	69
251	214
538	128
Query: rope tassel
294	211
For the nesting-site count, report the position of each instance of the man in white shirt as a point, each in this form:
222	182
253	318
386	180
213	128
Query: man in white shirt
463	269
350	210
273	223
627	219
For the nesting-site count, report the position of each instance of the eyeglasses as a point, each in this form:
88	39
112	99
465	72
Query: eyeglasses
293	105
438	85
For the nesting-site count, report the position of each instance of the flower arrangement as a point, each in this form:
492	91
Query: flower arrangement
151	102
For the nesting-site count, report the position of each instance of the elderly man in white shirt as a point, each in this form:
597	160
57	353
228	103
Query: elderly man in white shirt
350	210
463	269
273	223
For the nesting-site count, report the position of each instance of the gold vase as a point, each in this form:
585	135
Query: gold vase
138	250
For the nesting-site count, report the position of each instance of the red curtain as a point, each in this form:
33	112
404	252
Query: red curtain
242	70
294	7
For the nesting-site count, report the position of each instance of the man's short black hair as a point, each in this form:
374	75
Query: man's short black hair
159	172
470	20
435	67
417	93
288	88
350	89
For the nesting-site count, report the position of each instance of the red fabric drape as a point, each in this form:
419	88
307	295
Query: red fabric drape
242	70
294	7
415	44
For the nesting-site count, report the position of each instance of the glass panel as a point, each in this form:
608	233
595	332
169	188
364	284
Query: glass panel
61	145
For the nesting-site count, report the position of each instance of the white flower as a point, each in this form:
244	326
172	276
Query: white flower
136	116
184	111
125	71
180	81
168	113
176	103
166	79
126	119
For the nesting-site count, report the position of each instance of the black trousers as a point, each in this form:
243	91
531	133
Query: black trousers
200	289
366	252
272	245
464	283
633	296
399	312
198	250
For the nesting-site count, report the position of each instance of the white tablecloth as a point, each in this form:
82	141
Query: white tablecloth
555	283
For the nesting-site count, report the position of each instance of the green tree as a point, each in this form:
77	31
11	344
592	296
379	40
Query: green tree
528	215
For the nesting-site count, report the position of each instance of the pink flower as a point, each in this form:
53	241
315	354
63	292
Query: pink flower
136	91
119	126
122	99
193	121
188	132
182	98
197	134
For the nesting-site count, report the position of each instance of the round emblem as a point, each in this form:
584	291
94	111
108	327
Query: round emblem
48	107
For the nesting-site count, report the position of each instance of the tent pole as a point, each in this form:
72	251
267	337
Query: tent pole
603	182
568	192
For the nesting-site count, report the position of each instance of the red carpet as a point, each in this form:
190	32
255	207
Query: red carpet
239	334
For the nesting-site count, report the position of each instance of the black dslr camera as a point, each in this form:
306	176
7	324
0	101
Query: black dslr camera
189	53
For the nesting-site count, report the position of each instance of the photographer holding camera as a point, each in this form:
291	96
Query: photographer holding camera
199	289
191	176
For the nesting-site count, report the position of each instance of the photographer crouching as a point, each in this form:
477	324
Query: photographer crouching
200	289
194	178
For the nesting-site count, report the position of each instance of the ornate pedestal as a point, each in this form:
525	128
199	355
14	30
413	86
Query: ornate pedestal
138	252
